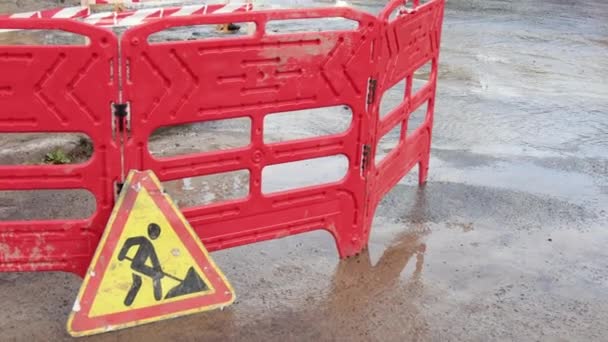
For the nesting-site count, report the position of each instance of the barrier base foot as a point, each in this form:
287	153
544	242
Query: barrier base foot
350	246
423	172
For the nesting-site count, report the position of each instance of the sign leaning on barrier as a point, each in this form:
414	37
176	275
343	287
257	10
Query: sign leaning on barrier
48	89
149	265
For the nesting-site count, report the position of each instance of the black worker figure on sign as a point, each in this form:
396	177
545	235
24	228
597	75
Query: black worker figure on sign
145	251
192	283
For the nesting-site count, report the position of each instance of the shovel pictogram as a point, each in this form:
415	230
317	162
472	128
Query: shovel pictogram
192	283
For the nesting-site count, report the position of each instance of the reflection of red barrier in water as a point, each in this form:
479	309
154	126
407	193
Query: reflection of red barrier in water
173	83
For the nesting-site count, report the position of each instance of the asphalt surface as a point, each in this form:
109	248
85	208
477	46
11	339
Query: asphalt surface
505	242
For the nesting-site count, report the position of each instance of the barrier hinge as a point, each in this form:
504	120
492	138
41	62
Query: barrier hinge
119	186
122	115
365	158
371	90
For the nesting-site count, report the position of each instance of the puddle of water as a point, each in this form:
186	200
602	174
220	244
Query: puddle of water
526	177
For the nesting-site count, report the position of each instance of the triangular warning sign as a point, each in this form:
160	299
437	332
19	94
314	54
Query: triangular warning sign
149	265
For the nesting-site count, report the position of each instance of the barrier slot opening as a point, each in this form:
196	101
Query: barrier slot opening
304	173
55	204
388	143
422	76
45	148
392	98
208	189
307	123
38	37
200	137
417	118
204	32
304	25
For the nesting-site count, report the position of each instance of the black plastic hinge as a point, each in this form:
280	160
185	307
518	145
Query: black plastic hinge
365	158
119	186
121	112
372	85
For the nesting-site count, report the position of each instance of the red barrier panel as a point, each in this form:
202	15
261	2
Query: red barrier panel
181	82
59	89
408	42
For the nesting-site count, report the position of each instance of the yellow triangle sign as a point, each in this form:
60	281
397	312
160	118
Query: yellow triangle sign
149	265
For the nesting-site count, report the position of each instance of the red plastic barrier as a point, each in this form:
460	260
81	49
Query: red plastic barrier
173	83
59	89
408	42
177	83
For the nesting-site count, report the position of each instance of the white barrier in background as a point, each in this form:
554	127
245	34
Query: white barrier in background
131	17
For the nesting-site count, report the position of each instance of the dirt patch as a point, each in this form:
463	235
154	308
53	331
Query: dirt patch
38	148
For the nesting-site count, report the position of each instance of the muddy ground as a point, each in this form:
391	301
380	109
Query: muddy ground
505	242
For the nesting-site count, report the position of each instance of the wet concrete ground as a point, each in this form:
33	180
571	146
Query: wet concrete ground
505	242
